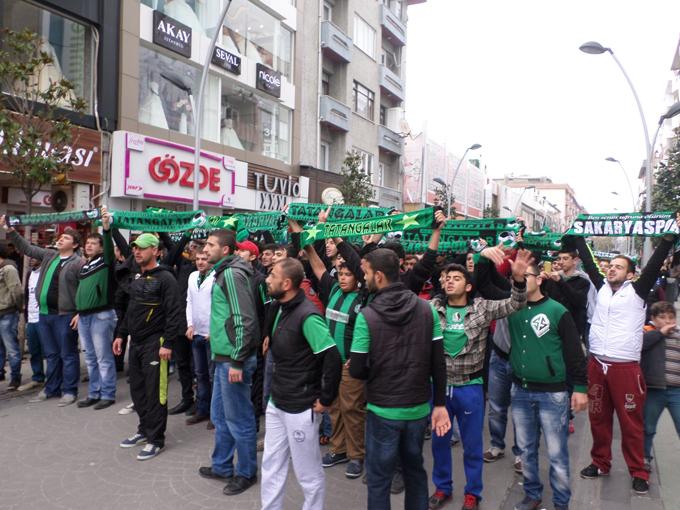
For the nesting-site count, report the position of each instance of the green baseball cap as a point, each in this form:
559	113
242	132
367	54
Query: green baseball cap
145	240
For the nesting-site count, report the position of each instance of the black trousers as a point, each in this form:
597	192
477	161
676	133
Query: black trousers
182	354
149	389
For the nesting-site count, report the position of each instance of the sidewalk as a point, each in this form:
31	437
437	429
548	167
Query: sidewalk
68	458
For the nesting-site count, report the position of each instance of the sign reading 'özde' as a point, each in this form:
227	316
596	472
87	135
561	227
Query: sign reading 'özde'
226	60
267	80
171	34
147	167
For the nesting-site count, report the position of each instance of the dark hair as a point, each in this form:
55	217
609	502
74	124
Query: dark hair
661	307
459	268
96	236
385	261
4	253
73	233
631	262
292	269
396	247
269	246
225	238
568	251
411	256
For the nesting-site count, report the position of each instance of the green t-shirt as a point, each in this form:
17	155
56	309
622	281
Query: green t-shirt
455	337
361	343
47	281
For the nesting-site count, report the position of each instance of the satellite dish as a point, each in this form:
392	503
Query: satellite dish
59	200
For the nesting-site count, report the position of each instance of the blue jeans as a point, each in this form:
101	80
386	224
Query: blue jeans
466	404
35	350
658	400
60	347
500	382
326	424
390	441
200	349
534	412
96	335
232	413
9	339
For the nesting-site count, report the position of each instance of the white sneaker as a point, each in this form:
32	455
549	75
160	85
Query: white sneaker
66	400
30	385
149	452
40	397
493	454
128	409
517	465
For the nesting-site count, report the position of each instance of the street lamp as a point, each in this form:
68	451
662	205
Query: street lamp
519	200
630	188
472	147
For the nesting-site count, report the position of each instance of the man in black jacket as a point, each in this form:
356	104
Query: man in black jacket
398	349
304	384
153	323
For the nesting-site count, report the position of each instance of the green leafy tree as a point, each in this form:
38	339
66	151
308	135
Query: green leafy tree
490	212
356	186
34	134
666	194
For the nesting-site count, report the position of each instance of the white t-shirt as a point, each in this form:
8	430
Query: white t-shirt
33	307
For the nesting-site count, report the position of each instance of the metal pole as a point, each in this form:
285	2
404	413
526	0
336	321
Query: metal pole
647	252
453	180
198	111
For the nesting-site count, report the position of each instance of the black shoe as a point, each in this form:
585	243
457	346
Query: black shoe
197	418
397	486
331	459
183	406
87	402
592	472
192	410
640	486
103	404
14	384
207	472
238	484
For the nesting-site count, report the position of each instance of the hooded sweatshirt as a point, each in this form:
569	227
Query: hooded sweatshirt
11	293
398	348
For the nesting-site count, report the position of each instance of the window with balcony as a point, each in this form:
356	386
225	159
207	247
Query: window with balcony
364	36
327	11
396	6
390	57
69	43
383	115
324	155
366	161
325	83
363	100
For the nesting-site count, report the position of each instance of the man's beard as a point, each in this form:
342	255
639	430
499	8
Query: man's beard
276	294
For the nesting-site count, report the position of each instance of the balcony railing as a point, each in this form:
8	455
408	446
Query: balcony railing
334	113
335	43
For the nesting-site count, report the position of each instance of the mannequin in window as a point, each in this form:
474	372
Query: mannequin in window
150	104
183	13
228	135
50	73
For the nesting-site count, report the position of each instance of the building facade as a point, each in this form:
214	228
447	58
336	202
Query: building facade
353	91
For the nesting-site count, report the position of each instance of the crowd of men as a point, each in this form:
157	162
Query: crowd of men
359	346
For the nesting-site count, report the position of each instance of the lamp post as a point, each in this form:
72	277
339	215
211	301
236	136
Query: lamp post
198	112
630	187
519	200
472	147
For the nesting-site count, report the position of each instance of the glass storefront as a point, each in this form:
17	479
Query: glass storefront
200	15
69	43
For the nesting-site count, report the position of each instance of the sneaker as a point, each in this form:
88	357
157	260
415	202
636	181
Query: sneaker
438	500
128	409
470	502
528	504
493	454
640	486
133	441
182	407
14	384
197	418
207	472
40	397
331	459
592	471
87	402
30	385
66	400
103	404
572	428
354	469
517	465
149	452
238	484
397	486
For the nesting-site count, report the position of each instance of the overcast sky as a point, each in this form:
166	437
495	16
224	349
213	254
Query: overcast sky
510	76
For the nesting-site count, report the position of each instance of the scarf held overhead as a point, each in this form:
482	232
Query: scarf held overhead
55	217
648	224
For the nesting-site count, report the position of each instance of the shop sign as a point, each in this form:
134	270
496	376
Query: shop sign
147	167
83	154
275	192
268	80
225	60
16	196
171	34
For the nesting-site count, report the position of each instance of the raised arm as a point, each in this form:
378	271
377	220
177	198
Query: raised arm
588	260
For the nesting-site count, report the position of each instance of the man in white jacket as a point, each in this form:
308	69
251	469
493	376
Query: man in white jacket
199	291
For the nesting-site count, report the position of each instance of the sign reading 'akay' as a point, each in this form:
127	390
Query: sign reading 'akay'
171	34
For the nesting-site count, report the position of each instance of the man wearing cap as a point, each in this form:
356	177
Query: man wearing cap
153	322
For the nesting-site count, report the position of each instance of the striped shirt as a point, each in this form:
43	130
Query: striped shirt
673	359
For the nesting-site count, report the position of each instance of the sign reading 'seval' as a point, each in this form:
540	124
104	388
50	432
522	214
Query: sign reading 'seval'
226	60
171	34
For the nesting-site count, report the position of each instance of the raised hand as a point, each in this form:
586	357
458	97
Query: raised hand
519	266
323	215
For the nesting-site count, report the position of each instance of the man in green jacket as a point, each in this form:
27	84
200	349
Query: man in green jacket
545	351
97	318
234	334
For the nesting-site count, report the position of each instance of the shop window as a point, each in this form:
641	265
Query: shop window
69	43
200	15
364	36
363	100
251	121
366	162
167	88
252	32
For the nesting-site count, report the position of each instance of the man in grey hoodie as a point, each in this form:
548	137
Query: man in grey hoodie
11	303
56	294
